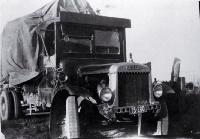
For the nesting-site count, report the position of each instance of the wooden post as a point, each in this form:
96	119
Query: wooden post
139	123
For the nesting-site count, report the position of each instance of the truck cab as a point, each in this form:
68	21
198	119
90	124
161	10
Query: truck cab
91	51
82	73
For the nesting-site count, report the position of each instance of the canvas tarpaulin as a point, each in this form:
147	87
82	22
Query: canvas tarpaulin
20	46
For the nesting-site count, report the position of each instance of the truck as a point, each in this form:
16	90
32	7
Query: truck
72	65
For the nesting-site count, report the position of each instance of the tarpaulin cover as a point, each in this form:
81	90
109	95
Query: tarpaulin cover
20	46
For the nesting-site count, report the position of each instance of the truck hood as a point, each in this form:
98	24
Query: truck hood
113	68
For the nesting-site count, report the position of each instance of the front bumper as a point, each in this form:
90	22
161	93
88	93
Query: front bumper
137	109
110	112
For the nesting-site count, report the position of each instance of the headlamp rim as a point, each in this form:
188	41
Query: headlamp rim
101	94
158	95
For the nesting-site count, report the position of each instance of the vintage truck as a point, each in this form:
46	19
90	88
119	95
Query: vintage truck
72	64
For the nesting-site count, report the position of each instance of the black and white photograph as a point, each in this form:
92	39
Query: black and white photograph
99	69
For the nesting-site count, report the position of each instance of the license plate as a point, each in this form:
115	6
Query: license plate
138	109
141	109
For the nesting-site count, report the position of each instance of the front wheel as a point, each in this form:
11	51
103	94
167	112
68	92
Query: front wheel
64	121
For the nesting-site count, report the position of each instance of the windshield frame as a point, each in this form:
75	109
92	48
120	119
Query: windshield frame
121	55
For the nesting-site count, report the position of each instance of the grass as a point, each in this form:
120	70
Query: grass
28	128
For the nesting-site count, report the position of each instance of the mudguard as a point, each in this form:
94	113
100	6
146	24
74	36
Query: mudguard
81	94
61	111
73	91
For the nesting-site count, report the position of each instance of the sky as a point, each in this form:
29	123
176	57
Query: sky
161	30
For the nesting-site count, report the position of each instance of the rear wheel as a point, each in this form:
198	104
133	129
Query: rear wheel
6	105
17	106
64	121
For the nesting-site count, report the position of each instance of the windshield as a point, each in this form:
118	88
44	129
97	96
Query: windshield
76	39
107	42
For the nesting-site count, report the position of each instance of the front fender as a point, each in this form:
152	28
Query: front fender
63	92
74	91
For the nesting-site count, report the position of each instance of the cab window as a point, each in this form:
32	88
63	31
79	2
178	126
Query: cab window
107	42
76	39
85	39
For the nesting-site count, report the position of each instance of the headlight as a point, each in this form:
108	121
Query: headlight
157	90
105	94
158	93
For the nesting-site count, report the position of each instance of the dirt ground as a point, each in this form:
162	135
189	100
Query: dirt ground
37	127
27	128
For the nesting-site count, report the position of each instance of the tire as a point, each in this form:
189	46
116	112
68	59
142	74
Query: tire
6	105
16	103
64	120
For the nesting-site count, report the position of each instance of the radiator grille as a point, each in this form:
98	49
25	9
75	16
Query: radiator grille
133	88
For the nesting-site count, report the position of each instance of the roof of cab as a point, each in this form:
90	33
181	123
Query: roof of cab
79	18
